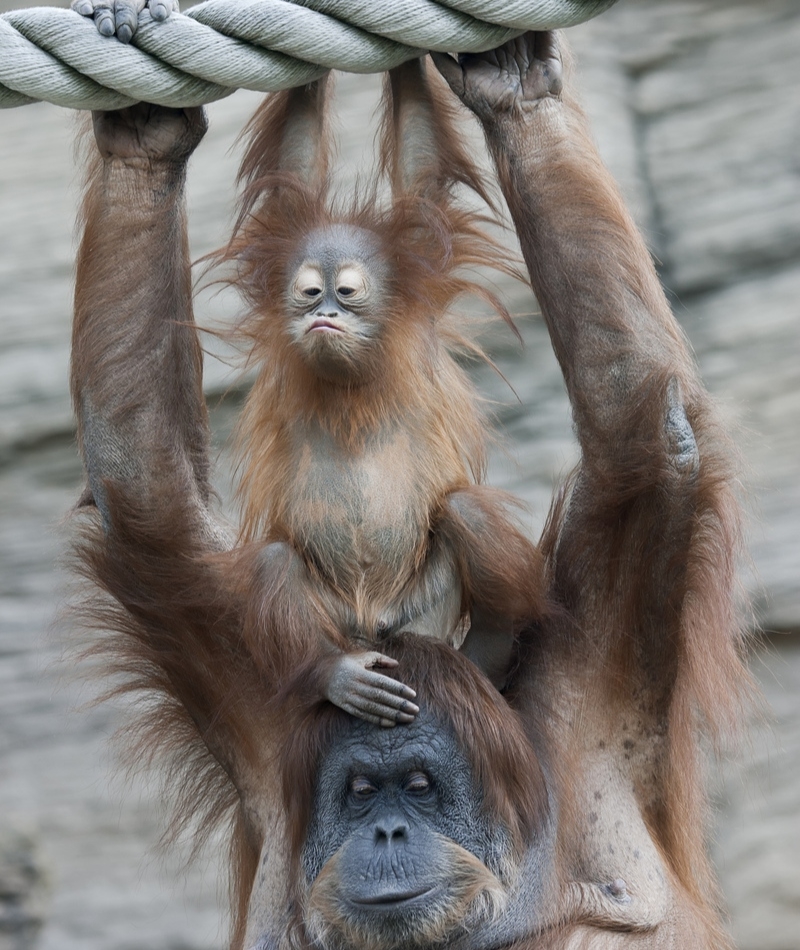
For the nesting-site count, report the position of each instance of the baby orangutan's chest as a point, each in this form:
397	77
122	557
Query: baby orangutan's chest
361	519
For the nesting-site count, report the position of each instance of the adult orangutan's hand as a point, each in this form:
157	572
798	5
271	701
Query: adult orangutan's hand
512	78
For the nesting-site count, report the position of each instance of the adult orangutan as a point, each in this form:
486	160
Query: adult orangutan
569	813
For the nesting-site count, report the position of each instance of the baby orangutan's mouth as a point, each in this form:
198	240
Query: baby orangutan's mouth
326	326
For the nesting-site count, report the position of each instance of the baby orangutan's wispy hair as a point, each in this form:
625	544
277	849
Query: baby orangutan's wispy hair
433	243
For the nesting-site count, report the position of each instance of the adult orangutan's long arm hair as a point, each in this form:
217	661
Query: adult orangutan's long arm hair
170	626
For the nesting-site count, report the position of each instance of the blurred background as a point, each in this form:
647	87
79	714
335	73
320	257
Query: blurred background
696	107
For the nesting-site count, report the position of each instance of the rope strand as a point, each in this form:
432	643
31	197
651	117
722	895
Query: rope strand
58	56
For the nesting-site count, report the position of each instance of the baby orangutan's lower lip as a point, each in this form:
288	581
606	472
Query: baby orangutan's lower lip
325	326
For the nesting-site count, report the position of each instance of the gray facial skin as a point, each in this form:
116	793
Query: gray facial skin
336	297
448	803
390	807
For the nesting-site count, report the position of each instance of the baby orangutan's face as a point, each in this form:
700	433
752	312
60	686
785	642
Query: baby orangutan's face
335	296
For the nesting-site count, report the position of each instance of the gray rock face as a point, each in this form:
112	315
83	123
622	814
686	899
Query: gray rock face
720	122
22	891
696	106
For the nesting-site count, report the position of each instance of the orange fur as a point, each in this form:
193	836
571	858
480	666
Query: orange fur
420	383
416	387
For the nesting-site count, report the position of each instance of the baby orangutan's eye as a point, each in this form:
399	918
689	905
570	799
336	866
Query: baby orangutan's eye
308	283
351	284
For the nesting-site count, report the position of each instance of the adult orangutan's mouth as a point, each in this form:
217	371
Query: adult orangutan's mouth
392	900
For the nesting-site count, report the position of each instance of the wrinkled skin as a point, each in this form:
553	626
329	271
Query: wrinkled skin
508	80
148	133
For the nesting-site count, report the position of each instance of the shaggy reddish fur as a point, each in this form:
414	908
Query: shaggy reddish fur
434	245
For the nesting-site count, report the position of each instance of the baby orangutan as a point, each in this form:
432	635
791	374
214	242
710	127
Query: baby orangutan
362	437
363	440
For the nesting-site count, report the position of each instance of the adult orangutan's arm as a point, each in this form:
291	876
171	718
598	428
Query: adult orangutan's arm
643	547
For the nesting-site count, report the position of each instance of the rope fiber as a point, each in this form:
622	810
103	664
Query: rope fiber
55	55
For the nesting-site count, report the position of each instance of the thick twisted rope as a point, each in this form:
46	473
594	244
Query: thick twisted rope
55	55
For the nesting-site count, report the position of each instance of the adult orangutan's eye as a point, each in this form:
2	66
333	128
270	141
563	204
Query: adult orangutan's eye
418	783
362	788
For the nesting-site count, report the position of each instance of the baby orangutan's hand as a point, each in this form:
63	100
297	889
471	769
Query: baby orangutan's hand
355	687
